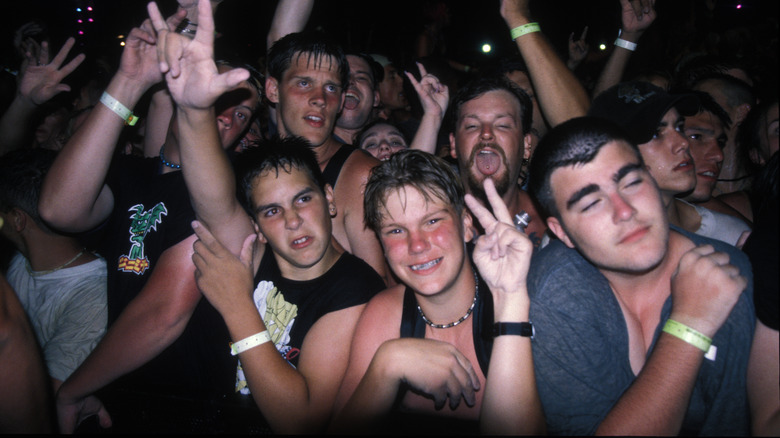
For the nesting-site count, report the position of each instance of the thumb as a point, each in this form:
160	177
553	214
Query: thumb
231	79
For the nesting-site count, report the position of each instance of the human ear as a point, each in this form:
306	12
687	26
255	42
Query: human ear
468	226
557	228
272	89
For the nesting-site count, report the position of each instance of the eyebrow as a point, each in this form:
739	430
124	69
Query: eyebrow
699	129
581	193
260	208
592	188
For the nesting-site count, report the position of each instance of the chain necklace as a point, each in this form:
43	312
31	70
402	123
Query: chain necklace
39	273
166	162
462	318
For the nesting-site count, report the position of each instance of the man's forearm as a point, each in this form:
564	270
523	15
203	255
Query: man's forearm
656	402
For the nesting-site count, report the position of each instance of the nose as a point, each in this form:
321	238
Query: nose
292	219
224	121
716	153
486	132
621	209
417	242
681	143
317	97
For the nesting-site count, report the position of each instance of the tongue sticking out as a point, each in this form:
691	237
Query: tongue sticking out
487	163
350	103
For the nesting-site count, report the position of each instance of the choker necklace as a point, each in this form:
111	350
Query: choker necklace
39	273
165	162
462	318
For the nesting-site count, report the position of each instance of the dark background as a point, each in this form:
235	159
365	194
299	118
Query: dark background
390	27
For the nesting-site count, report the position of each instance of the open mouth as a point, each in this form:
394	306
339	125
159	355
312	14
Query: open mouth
487	162
351	101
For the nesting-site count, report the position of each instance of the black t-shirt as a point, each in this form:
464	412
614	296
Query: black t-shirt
152	212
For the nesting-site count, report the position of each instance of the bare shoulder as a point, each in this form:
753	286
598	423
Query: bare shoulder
357	168
385	308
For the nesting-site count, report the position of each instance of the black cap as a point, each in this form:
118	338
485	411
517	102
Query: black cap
638	107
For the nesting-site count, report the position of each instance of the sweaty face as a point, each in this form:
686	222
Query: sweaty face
308	98
292	215
382	141
706	140
391	89
611	211
489	141
668	157
360	98
424	241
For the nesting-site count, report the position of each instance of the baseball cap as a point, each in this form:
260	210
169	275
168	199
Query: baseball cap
638	107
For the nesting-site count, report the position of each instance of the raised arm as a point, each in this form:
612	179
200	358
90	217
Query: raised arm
561	96
511	403
161	106
290	17
195	84
636	17
435	97
74	196
39	81
578	50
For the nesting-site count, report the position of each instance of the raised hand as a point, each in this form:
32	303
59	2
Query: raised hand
705	288
502	254
578	49
224	279
139	58
433	95
41	80
188	64
636	17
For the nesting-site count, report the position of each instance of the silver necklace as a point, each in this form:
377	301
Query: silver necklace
462	318
39	273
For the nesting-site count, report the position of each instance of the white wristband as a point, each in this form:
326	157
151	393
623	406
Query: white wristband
117	107
628	45
249	343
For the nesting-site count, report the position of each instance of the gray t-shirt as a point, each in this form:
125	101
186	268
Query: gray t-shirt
581	348
67	309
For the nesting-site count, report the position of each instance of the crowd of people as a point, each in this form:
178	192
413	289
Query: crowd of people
334	241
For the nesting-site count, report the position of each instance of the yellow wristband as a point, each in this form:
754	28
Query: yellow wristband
688	335
120	110
524	29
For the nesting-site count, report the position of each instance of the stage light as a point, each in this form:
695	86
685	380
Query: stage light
486	48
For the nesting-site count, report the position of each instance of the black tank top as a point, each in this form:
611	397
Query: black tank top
336	162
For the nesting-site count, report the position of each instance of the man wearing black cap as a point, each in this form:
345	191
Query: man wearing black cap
655	121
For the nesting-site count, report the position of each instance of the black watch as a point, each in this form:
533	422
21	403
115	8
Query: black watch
514	328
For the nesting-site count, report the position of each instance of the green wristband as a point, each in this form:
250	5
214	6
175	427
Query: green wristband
524	29
688	335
